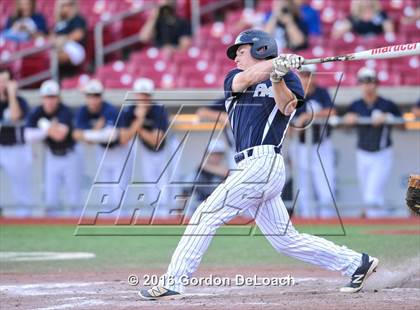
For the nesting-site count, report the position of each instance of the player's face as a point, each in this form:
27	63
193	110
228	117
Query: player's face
368	88
94	103
50	104
243	58
142	98
25	7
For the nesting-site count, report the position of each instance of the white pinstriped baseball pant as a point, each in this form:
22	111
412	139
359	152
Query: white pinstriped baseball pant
254	189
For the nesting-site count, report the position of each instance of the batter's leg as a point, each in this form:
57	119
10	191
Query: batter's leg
273	220
240	191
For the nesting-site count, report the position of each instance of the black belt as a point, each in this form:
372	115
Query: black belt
241	156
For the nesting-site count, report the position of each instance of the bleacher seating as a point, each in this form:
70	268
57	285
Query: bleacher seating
205	64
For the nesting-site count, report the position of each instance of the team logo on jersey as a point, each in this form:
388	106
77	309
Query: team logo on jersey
261	90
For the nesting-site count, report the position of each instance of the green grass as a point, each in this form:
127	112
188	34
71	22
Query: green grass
122	252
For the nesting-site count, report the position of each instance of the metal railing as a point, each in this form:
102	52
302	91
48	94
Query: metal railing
101	50
51	72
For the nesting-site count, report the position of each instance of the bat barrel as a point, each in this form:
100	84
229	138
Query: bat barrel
393	51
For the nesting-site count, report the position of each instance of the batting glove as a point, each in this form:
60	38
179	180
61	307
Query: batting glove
280	68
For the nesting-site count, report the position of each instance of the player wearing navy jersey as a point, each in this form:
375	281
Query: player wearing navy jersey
311	172
374	144
52	123
262	95
148	121
96	124
15	156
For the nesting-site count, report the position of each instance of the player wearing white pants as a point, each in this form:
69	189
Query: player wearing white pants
315	158
254	190
320	176
16	162
95	124
63	172
373	170
15	156
52	123
374	146
261	98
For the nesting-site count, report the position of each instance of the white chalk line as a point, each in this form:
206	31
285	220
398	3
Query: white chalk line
76	305
43	256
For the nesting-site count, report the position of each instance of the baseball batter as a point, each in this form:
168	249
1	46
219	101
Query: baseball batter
262	95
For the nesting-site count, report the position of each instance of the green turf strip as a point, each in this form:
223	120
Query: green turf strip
152	247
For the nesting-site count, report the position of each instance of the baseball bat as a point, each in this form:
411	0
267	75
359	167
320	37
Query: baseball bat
376	53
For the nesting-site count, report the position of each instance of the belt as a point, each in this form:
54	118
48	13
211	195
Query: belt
249	152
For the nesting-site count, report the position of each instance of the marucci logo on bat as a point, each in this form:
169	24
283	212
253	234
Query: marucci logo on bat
394	48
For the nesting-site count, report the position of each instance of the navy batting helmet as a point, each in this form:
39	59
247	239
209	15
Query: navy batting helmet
263	45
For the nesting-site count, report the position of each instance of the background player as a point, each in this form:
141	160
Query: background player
15	156
261	98
148	121
313	174
374	144
95	124
52	122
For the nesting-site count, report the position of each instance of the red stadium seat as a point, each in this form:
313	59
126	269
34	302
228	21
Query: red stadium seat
388	79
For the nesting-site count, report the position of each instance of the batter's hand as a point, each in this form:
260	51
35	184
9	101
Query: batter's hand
293	61
283	63
280	68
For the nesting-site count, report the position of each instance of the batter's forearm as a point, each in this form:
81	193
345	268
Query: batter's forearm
253	75
285	99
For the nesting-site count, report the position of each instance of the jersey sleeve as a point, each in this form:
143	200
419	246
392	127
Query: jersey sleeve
353	108
326	99
110	113
66	117
393	108
228	83
24	107
160	118
126	117
293	83
218	105
78	23
33	118
82	120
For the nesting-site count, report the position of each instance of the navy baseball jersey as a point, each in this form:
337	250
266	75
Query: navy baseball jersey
63	115
253	114
155	118
319	100
87	120
11	133
370	138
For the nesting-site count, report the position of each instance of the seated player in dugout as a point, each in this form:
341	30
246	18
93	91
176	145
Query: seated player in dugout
210	174
148	121
312	174
216	112
96	124
374	153
262	94
15	155
52	123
